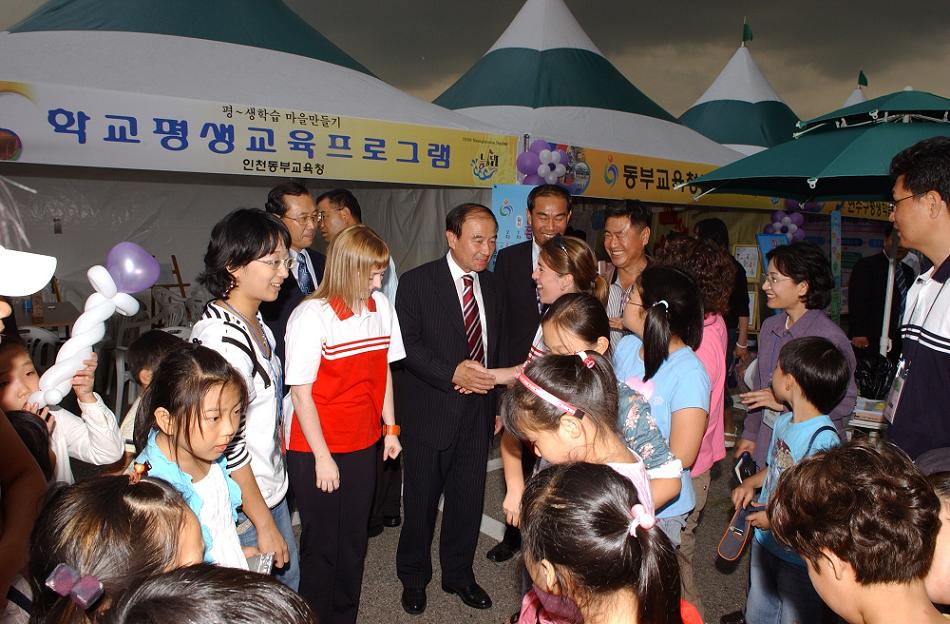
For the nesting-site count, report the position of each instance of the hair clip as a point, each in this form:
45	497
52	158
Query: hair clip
541	393
139	471
662	302
196	341
641	519
588	360
83	590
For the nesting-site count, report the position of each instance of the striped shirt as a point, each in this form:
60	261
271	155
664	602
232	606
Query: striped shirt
256	441
345	356
922	419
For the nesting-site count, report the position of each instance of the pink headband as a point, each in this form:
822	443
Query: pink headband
541	393
641	519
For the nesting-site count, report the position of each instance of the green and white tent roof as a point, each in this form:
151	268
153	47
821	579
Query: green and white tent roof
245	51
545	77
741	109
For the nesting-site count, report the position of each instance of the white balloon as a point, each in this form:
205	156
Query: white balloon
559	171
792	228
550	178
102	281
88	329
555	157
786	220
545	156
543	170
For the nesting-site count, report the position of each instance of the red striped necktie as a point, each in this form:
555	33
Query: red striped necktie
473	324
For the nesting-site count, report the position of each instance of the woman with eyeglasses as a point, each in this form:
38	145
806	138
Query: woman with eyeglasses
245	264
340	342
797	284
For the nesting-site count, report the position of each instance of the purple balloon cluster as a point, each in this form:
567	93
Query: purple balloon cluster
791	224
541	164
133	268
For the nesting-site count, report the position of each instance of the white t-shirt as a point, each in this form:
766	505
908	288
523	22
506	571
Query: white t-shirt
216	517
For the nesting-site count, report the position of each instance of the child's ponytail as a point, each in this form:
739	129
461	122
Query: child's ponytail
672	307
588	521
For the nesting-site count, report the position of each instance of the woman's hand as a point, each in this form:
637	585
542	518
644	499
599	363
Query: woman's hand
328	474
761	398
391	447
616	322
742	495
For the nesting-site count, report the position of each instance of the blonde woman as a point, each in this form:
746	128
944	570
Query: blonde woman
340	342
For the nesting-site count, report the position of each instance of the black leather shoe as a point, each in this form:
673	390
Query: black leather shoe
392	521
501	552
472	595
413	600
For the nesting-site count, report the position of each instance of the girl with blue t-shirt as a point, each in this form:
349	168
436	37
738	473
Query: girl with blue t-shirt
665	314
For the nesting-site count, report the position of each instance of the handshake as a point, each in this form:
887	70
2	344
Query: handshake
471	377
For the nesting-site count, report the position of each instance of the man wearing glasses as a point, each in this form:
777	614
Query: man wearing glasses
337	210
919	399
292	204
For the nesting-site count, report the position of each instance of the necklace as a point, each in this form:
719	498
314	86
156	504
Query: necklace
259	336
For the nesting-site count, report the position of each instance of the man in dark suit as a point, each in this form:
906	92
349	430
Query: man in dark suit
866	297
292	203
452	321
549	210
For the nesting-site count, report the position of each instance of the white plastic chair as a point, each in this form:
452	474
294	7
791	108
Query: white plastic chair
170	309
127	330
42	345
180	331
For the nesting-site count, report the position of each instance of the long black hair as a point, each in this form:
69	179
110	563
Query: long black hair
578	517
673	307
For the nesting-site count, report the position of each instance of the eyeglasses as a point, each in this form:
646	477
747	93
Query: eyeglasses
322	216
775	279
305	220
288	263
893	205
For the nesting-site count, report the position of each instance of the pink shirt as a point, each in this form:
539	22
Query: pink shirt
712	353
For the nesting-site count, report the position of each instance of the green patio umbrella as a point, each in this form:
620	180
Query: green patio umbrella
838	164
905	102
843	155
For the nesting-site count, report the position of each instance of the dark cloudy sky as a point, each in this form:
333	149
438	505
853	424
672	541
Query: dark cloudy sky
809	50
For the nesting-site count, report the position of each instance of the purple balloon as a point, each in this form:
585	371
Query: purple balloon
538	145
797	218
778	215
767	229
132	268
799	234
534	179
528	163
564	157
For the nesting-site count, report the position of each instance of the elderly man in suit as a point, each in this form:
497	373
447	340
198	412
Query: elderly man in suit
292	203
549	210
452	321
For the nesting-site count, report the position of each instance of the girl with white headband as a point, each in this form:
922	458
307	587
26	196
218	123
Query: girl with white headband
665	314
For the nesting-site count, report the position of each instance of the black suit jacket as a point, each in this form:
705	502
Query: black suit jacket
866	299
520	299
433	333
277	312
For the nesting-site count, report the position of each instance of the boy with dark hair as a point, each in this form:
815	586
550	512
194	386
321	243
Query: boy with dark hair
145	354
866	521
811	377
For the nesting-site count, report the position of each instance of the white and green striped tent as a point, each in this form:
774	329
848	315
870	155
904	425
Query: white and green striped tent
546	78
741	109
255	52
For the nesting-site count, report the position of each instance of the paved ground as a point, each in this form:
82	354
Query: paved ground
722	586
